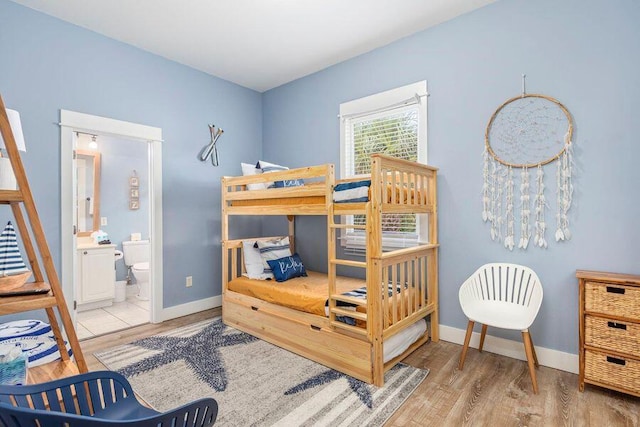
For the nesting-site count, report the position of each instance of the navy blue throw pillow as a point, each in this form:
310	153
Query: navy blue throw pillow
287	267
289	183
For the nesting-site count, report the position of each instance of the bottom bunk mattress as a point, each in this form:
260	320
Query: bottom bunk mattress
308	294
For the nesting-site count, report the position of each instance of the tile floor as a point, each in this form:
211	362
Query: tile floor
120	315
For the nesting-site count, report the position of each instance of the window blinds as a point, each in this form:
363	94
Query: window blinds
395	133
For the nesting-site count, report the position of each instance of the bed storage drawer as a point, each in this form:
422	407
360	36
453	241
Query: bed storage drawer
302	333
620	373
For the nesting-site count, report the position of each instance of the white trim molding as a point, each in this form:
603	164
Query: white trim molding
191	307
89	123
71	122
546	357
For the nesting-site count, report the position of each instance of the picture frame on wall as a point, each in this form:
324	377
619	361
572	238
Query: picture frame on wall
134	181
134	205
134	193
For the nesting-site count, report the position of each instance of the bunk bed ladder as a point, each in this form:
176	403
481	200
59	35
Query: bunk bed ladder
335	310
350	305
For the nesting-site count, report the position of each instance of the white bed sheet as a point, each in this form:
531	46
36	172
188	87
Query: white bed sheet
397	344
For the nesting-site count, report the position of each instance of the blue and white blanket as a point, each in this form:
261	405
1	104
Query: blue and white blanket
352	192
35	338
357	293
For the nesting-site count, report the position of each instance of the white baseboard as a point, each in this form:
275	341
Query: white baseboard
546	357
190	308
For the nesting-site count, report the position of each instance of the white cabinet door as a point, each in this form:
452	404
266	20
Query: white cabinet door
97	274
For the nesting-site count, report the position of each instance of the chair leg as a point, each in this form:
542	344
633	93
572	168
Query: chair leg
533	349
482	335
528	348
467	338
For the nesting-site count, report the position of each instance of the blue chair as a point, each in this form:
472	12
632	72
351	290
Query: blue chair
101	398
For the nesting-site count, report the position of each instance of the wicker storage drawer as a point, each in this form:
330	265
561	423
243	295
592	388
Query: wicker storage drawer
609	352
618	372
612	299
621	337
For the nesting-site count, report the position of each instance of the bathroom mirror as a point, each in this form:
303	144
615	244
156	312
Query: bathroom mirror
87	191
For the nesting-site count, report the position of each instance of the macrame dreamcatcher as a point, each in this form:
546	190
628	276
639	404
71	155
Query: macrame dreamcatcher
526	133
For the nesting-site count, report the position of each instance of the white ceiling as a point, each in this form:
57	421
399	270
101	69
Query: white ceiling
259	44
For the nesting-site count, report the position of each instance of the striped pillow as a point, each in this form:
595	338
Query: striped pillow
273	249
253	261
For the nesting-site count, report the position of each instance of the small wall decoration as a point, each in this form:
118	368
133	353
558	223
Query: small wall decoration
526	133
211	150
134	191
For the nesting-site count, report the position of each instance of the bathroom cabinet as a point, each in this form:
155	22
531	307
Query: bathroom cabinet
96	276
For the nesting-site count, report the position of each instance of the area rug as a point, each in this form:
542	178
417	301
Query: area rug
255	383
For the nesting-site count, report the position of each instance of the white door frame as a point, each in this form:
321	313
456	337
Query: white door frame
71	122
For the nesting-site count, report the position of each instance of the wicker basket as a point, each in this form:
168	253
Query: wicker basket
622	373
621	337
11	283
616	300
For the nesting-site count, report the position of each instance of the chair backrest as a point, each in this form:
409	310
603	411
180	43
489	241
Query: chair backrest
83	394
16	416
197	415
509	283
101	398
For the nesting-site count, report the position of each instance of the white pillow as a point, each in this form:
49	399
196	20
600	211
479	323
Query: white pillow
272	250
267	167
250	169
253	261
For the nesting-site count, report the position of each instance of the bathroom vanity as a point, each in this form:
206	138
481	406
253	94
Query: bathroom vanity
96	276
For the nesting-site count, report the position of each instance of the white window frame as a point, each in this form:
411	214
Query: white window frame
415	93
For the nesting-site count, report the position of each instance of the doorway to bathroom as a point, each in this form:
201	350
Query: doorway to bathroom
112	208
111	187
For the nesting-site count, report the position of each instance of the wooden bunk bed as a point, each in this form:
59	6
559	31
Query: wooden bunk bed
397	186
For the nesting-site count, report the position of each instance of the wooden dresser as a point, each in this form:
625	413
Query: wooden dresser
609	331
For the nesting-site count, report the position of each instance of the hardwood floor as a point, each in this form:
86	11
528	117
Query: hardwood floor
492	390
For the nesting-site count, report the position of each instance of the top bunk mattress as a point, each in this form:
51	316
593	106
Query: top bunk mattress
314	194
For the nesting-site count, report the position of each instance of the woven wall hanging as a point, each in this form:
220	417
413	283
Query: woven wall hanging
525	134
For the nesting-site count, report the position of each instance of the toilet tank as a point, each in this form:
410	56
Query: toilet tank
135	252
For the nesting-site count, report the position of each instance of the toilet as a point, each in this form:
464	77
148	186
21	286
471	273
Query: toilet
136	256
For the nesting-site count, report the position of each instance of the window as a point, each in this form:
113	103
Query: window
393	123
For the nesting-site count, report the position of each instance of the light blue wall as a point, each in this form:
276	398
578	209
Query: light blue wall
584	53
47	65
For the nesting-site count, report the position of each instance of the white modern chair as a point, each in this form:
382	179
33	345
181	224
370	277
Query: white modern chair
505	296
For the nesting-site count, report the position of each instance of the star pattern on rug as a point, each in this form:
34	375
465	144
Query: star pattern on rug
360	388
201	351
